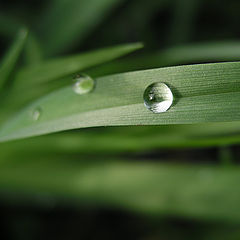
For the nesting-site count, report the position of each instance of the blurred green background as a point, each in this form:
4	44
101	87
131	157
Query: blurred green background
151	182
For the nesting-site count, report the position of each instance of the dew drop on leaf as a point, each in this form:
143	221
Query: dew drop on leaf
83	84
158	97
36	113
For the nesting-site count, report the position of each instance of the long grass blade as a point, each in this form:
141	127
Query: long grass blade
128	140
151	188
61	67
185	54
202	93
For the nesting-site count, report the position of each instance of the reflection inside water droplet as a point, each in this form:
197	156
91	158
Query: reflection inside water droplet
83	84
36	113
158	97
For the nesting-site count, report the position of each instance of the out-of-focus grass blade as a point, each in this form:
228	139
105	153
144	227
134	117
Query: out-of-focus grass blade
57	68
114	140
201	52
190	191
11	57
203	93
185	54
65	23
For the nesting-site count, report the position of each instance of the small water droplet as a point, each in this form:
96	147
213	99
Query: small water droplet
158	97
83	84
36	113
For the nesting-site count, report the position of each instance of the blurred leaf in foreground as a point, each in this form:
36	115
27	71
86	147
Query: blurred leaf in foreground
116	140
190	191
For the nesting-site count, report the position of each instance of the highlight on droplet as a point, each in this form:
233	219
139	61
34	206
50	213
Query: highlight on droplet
36	113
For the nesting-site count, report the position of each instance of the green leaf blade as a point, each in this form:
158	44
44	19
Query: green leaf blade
61	67
203	93
150	188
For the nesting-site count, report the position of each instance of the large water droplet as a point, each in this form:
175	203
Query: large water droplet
36	113
158	97
83	84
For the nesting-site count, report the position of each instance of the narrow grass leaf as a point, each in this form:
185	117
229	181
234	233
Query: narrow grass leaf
184	54
128	140
202	93
60	67
150	188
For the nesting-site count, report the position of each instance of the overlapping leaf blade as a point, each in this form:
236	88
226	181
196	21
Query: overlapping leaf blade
191	191
179	55
125	140
60	67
